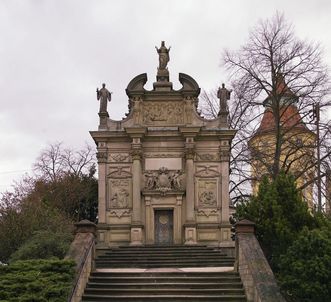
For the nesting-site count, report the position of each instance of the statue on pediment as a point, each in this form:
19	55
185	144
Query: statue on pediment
164	58
104	96
224	95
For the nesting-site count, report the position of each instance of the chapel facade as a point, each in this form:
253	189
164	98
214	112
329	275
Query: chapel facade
163	169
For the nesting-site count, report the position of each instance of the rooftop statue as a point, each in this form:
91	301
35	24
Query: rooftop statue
224	95
164	58
103	95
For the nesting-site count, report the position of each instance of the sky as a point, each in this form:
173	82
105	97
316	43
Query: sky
55	53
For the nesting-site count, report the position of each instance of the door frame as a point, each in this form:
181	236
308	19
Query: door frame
169	210
169	202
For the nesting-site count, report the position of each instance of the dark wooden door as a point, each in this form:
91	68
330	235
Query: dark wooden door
164	227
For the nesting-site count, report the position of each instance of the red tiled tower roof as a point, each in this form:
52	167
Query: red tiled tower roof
290	118
289	113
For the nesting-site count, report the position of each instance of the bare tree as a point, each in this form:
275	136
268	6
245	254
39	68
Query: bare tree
278	75
55	161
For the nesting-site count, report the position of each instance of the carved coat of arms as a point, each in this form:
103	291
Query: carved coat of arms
163	180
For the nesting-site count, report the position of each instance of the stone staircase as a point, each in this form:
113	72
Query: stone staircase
175	273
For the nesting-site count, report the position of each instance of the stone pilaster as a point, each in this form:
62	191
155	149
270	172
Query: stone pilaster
136	194
190	223
137	236
225	198
102	176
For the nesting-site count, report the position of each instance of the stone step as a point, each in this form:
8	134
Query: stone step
167	258
164	285
166	274
164	263
147	265
160	249
163	247
165	281
164	258
162	253
165	298
115	292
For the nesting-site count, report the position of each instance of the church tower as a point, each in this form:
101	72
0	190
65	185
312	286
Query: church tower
298	142
163	169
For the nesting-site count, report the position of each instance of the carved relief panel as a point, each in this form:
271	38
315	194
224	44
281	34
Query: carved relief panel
163	113
207	192
207	185
119	189
120	193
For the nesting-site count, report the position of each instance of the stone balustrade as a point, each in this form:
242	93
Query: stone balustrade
82	251
257	277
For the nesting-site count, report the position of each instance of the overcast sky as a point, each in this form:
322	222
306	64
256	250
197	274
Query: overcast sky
54	53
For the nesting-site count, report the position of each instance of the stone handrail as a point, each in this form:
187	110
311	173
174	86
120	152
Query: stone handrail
257	277
82	251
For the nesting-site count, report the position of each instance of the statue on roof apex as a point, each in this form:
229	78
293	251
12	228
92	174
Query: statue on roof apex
224	95
103	95
164	58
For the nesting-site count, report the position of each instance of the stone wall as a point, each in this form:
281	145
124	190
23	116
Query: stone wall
257	277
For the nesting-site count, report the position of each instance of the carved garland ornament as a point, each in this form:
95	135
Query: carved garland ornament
120	212
207	157
118	157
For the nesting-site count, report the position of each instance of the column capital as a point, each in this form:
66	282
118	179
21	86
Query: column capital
224	154
224	150
102	156
189	153
136	154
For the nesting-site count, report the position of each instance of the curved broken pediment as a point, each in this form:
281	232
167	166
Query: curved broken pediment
189	85
137	84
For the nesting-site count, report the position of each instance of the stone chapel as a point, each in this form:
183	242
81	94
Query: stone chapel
163	169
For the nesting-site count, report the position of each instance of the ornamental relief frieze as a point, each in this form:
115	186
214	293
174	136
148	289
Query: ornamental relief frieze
155	113
207	171
207	212
163	155
119	193
119	157
207	157
119	172
119	213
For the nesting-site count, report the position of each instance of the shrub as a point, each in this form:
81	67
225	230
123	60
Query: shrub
305	269
36	280
279	214
43	245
